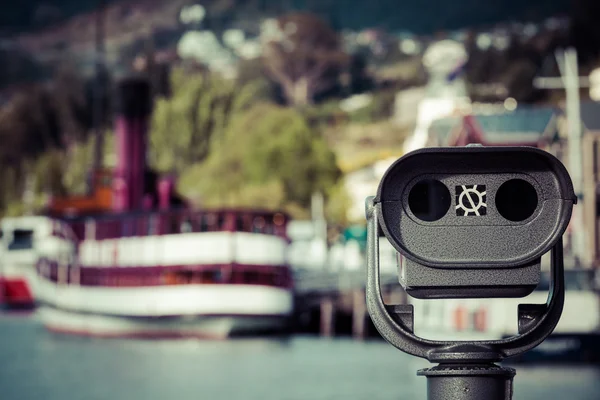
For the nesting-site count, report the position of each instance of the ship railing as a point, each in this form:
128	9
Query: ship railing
138	224
67	267
65	270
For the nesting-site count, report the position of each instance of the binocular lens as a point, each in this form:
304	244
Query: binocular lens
516	200
429	200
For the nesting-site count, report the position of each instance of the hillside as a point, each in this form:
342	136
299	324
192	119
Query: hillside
28	15
379	67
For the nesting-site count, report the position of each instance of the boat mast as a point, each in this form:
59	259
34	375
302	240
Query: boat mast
98	98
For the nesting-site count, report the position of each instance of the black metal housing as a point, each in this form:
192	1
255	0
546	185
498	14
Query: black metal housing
446	256
501	209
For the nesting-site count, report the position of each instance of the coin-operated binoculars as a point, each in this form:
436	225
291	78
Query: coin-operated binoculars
470	222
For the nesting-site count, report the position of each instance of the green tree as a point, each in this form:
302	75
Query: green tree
77	162
338	203
36	126
269	157
185	125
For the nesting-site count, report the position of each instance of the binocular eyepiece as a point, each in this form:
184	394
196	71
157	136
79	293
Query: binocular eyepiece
474	222
470	222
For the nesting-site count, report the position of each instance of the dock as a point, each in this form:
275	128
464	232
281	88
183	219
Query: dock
330	296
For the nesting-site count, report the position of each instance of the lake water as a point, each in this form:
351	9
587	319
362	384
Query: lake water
36	364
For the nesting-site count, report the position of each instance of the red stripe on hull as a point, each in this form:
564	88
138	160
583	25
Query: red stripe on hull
15	293
279	276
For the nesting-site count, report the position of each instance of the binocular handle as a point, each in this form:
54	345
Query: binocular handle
536	321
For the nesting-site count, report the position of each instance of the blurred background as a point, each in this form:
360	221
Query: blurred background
188	170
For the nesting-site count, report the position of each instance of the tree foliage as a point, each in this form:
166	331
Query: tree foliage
270	157
304	55
228	145
198	113
36	124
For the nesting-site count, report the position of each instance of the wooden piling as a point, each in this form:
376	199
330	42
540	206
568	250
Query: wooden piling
327	317
359	311
396	295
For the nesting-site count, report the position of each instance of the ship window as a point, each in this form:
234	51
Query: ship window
251	277
174	226
236	277
269	228
152	225
22	240
258	224
186	277
217	276
279	219
186	226
205	221
208	276
239	223
220	222
280	278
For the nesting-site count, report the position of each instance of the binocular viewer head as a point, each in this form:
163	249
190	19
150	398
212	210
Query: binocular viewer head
474	221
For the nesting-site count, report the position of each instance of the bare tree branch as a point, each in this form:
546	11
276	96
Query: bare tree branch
305	58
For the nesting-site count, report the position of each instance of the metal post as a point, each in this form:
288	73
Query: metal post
567	63
466	369
569	69
319	222
469	382
572	82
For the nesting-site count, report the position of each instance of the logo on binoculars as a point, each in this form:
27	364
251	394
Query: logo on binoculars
471	200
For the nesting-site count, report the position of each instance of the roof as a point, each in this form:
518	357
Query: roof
522	125
521	121
442	128
590	115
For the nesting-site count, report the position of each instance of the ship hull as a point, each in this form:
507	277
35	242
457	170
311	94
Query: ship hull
208	284
175	311
210	327
15	293
16	289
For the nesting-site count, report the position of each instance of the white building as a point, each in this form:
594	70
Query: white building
446	91
363	183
